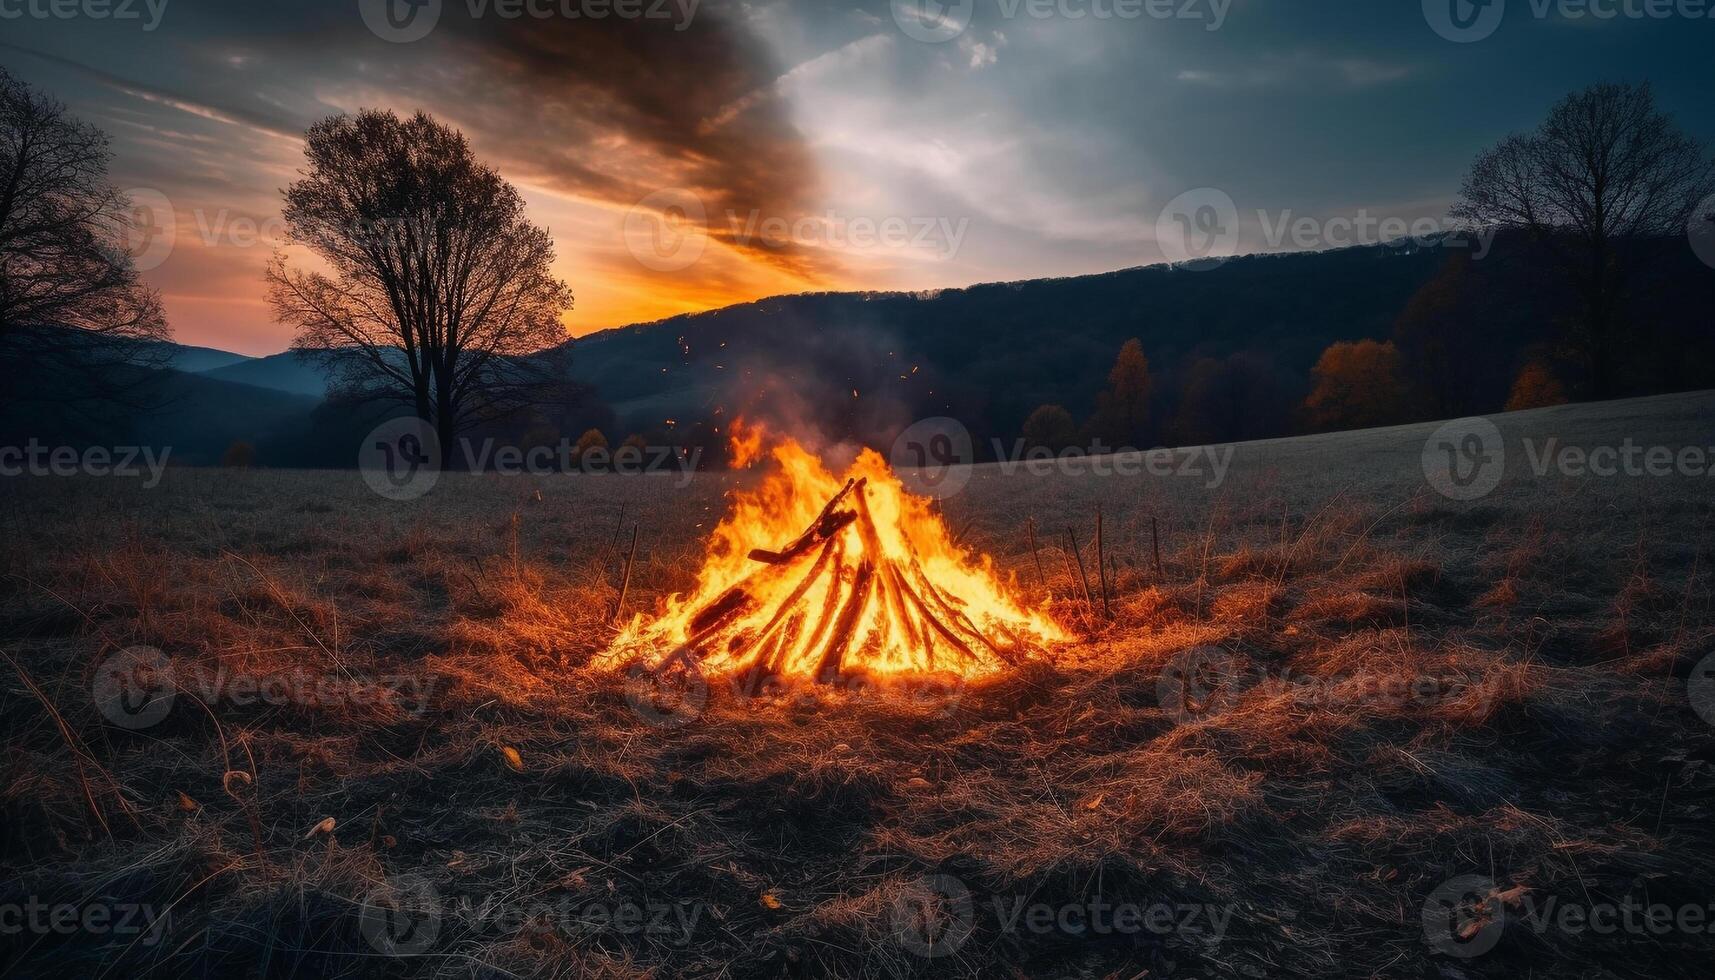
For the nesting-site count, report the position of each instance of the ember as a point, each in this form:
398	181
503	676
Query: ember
868	583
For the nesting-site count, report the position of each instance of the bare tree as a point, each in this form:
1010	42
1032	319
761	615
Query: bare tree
440	294
1604	171
76	322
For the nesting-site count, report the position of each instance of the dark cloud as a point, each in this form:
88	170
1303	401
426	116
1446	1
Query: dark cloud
613	109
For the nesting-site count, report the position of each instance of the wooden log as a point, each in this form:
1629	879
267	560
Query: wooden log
845	626
625	583
797	594
824	528
1072	538
719	612
830	604
826	525
952	615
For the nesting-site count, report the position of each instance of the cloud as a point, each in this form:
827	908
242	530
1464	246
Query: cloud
982	55
1302	68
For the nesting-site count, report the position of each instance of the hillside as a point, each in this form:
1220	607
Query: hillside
195	416
856	365
862	365
278	372
194	360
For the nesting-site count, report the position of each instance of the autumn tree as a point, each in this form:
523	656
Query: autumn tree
439	294
1536	387
1122	410
76	320
1606	170
1050	427
591	439
1356	386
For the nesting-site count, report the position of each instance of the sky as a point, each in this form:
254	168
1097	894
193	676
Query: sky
689	155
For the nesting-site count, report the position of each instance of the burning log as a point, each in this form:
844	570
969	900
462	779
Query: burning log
830	523
872	586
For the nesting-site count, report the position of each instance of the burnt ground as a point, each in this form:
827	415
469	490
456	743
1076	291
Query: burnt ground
1344	705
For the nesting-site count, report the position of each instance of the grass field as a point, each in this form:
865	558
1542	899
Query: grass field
1344	699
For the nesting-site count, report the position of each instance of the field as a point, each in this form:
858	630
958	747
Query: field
1414	737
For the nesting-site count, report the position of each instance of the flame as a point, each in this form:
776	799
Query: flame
746	443
882	591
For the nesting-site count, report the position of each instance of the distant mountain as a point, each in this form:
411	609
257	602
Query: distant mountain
195	360
859	366
202	416
856	362
278	372
194	416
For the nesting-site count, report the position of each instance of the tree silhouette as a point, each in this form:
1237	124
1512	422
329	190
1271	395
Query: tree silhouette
440	294
1356	386
1122	410
1232	399
1050	427
76	321
1604	170
1444	347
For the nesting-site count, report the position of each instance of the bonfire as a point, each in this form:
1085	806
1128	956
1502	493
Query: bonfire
821	577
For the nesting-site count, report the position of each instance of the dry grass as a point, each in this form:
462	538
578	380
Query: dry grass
1420	690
